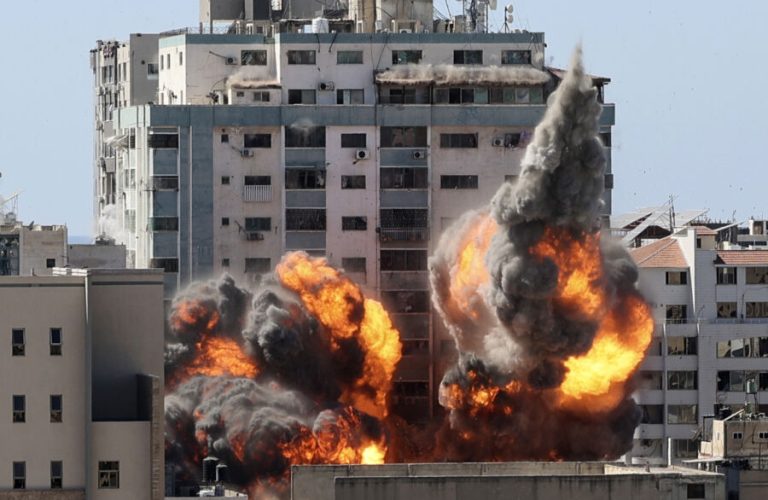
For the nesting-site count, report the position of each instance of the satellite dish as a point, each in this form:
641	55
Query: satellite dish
492	4
509	8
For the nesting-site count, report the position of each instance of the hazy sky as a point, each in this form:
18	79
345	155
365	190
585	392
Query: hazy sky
688	79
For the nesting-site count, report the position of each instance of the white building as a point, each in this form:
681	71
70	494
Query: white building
710	303
82	385
360	146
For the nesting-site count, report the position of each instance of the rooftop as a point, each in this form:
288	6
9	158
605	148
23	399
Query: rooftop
665	252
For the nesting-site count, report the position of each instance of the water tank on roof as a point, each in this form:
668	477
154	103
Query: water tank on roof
320	25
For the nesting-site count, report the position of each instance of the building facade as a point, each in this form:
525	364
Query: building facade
710	303
31	249
82	390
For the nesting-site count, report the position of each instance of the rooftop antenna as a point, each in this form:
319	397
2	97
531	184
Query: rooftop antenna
508	17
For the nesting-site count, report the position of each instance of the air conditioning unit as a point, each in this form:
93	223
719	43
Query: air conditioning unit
254	236
498	142
230	61
419	154
246	153
362	154
406	30
325	86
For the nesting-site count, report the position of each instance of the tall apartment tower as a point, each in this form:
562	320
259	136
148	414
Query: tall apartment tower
357	146
709	353
81	397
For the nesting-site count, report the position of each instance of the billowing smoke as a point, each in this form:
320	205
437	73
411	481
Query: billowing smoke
295	371
544	311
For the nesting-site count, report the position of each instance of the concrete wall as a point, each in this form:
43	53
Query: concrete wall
43	495
37	245
96	256
128	443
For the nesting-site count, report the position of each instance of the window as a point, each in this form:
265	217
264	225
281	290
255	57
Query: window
354	223
411	301
109	474
605	138
397	218
57	474
165	183
682	380
677	313
19	475
353	264
349	57
753	347
257	265
698	242
19	408
17	342
349	96
461	95
515	57
686	448
726	275
677	277
510	178
726	309
258	180
756	275
516	95
55	341
304	137
253	57
696	490
403	137
406	56
403	260
225	221
458	140
304	178
353	140
225	262
224	138
301	57
403	178
757	309
467	57
56	407
302	96
650	381
181	58
682	346
225	180
167	264
682	414
352	182
49	263
305	219
458	182
258	223
404	95
165	223
738	435
652	414
762	435
163	141
152	71
257	140
261	96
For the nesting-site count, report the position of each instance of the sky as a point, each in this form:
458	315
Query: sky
688	79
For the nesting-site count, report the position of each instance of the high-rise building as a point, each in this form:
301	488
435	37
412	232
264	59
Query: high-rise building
710	303
359	143
82	385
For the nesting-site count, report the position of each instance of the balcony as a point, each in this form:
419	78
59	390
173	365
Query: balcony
259	194
404	234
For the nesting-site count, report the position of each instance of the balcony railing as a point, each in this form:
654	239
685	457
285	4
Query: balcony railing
736	321
259	193
404	234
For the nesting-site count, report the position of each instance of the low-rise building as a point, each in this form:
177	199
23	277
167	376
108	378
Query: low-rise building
82	385
31	249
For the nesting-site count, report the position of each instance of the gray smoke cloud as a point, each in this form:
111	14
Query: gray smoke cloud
511	328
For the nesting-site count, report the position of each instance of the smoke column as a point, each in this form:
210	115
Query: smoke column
545	314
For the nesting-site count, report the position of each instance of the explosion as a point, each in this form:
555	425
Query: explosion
543	309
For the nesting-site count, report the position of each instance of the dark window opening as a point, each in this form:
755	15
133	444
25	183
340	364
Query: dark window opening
17	342
349	57
302	96
458	140
304	178
458	182
165	183
257	265
411	301
258	180
168	265
403	137
403	178
467	57
406	56
257	140
56	407
353	140
258	223
403	260
301	57
49	263
19	408
253	57
396	218
164	141
515	57
109	474
305	219
354	223
677	277
352	182
304	137
57	474
353	264
19	475
165	223
55	341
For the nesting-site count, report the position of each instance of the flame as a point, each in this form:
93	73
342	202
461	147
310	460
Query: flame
217	356
189	313
469	273
337	442
340	307
595	379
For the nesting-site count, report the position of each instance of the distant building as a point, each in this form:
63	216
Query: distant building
81	397
27	249
491	481
710	303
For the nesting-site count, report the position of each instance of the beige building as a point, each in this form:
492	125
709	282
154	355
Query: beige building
31	249
82	385
510	480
